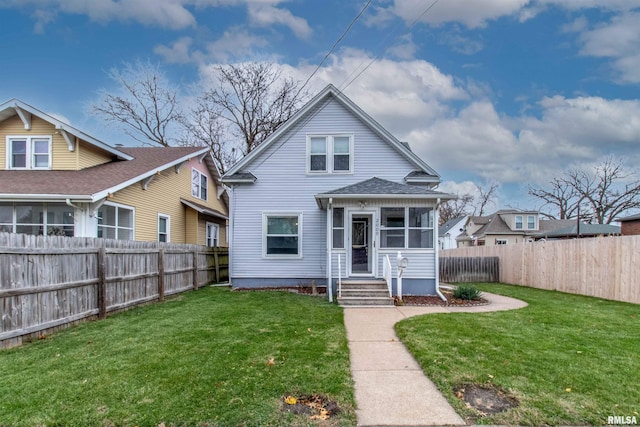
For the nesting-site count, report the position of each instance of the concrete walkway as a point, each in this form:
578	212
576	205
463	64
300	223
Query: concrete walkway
390	387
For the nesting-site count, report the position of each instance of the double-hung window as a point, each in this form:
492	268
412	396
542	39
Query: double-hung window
281	233
212	234
518	222
28	152
115	222
198	184
531	222
164	222
406	228
330	154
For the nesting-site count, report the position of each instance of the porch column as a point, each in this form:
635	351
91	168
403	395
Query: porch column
329	240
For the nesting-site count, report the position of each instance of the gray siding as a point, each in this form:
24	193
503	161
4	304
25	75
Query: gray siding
283	186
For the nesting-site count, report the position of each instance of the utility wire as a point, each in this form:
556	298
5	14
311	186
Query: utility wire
353	21
344	87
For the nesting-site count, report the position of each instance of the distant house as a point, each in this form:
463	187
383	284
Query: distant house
57	180
500	228
330	195
574	230
630	225
449	231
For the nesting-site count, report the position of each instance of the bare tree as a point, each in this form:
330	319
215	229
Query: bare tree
603	194
455	208
147	107
486	196
206	128
254	99
561	197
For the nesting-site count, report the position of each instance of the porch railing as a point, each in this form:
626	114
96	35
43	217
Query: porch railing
387	274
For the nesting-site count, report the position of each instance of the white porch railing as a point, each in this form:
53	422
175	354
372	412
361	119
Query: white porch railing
339	275
387	274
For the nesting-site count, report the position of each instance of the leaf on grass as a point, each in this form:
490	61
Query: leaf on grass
290	400
568	389
323	415
271	361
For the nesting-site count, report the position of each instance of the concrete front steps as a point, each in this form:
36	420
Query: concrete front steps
365	293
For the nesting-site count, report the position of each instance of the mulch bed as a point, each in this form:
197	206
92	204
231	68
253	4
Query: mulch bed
485	398
435	300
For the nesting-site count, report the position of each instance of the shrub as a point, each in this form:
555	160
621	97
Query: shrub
466	292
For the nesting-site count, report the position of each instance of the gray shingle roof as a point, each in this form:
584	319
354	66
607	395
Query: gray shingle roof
444	228
377	185
629	218
585	230
240	177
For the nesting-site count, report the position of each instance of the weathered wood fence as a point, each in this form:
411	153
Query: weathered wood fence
469	269
603	267
51	282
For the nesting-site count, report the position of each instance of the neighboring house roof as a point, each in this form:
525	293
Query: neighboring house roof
310	108
495	224
585	230
14	106
96	182
629	218
380	188
447	226
203	209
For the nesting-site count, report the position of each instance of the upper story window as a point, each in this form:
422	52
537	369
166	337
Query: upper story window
28	152
198	184
531	222
518	222
330	154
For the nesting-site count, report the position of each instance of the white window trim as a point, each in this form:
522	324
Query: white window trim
515	222
407	229
200	175
329	138
217	236
29	153
120	205
168	221
265	216
534	222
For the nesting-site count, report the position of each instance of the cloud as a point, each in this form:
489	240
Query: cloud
472	14
264	15
236	43
618	39
178	53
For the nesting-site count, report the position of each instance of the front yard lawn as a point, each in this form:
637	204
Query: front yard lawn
567	359
207	358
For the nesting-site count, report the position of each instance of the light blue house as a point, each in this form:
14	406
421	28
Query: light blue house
332	196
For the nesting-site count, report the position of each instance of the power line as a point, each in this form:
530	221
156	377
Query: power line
344	87
353	21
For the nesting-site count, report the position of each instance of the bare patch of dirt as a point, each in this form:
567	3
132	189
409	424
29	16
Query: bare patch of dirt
485	398
315	406
435	300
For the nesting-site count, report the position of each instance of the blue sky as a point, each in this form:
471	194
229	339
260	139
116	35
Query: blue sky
504	91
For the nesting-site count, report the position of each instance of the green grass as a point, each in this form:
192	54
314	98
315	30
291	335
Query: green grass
197	360
568	359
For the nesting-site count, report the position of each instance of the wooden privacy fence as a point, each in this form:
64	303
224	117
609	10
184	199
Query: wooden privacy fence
50	282
469	269
603	267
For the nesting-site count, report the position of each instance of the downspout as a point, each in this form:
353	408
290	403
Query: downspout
435	236
68	201
329	247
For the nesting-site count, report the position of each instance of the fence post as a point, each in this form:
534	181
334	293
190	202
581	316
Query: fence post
102	284
216	263
195	269
161	274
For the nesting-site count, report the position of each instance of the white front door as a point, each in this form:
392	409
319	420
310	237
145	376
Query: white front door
361	250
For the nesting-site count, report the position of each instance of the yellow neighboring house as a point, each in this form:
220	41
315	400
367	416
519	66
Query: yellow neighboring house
57	180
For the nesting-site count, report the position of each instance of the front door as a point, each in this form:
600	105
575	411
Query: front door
361	243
